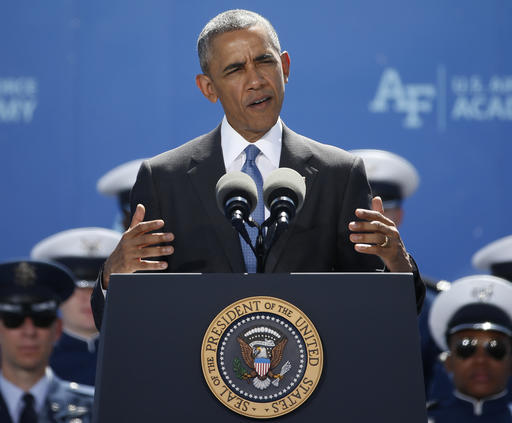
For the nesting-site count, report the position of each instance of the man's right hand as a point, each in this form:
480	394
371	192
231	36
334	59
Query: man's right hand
136	244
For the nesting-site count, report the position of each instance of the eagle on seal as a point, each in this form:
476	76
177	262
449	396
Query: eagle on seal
263	356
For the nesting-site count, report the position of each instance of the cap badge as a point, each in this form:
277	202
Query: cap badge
91	246
25	275
483	293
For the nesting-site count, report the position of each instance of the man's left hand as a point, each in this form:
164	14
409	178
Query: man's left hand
378	235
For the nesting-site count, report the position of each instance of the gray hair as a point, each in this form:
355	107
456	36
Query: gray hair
231	20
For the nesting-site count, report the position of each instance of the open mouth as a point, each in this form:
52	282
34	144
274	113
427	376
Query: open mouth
259	101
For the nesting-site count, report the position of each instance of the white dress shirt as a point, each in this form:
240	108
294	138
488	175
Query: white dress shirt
233	146
13	396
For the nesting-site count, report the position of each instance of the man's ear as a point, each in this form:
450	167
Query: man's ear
285	63
205	84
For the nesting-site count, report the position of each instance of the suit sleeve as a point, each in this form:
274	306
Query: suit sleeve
143	192
357	195
98	301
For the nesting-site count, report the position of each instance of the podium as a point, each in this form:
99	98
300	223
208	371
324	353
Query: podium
149	366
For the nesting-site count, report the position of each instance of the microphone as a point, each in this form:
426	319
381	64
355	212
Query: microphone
283	193
237	196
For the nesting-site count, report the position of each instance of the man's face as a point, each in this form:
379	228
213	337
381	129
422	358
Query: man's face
77	314
28	347
479	375
247	75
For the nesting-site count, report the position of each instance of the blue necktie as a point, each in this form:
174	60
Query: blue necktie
249	167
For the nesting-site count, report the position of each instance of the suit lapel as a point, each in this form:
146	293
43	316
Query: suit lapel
296	155
4	412
207	166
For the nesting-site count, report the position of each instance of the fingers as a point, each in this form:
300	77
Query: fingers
368	249
377	204
154	238
375	238
152	265
165	250
374	226
371	215
376	234
143	227
137	244
138	216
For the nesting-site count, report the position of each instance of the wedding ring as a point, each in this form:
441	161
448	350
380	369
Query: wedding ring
385	243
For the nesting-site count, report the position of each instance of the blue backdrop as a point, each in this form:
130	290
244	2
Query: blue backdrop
87	85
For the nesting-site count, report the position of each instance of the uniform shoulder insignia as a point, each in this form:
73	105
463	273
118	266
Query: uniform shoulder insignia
432	404
78	389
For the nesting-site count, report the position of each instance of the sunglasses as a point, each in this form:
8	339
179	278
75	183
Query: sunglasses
494	348
41	319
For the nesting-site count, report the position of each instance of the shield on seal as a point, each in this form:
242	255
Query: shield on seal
262	365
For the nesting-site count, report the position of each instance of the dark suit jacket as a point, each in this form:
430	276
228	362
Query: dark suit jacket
178	186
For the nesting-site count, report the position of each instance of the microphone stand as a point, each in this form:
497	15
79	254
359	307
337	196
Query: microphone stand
259	248
263	244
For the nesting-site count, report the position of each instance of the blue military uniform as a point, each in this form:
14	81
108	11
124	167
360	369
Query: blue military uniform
459	408
429	350
475	304
495	258
66	402
33	290
74	358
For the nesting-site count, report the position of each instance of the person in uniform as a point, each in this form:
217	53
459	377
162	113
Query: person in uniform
118	182
393	178
472	322
82	250
496	259
30	293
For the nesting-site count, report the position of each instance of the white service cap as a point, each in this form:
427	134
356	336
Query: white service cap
119	179
82	250
390	175
496	258
479	302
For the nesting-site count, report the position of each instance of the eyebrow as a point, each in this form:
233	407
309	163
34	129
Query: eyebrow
263	57
235	65
238	65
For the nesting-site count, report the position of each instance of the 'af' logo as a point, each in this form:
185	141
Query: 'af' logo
411	99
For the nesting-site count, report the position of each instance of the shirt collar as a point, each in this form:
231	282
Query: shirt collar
90	342
12	394
478	404
233	144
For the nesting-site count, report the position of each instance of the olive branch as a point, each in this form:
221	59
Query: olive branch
239	369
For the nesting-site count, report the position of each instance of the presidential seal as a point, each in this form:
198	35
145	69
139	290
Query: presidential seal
262	357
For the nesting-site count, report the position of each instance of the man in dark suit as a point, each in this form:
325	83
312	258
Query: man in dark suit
244	68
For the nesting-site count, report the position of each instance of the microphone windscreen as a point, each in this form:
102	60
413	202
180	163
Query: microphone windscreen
284	181
236	184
